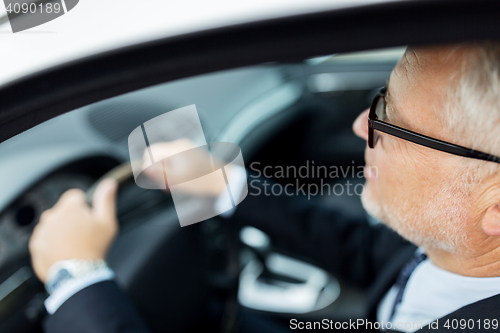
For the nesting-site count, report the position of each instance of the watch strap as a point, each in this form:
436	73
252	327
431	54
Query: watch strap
65	271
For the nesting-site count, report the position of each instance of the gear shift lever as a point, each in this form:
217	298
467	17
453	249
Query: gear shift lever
257	241
260	243
274	282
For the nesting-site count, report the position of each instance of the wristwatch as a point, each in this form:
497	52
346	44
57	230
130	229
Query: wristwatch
65	271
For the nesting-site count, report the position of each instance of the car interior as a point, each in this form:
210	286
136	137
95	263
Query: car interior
261	85
211	274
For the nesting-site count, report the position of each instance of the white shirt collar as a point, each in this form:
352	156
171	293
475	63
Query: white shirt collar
431	293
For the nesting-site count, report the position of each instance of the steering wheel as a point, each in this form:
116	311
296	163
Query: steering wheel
122	174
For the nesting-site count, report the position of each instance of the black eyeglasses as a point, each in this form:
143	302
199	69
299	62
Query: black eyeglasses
376	122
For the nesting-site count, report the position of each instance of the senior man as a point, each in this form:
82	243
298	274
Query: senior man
430	134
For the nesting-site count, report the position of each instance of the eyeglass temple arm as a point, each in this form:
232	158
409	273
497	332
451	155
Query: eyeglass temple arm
432	143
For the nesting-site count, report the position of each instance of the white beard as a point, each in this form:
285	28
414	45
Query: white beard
438	223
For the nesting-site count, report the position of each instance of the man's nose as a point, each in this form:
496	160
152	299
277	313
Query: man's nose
360	125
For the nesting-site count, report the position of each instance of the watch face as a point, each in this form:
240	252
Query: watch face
62	275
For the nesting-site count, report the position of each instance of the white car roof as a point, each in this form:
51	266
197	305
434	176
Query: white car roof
94	26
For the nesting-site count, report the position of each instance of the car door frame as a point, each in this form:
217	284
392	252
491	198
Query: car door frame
31	100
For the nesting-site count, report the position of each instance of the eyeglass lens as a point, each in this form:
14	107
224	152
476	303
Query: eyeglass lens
380	112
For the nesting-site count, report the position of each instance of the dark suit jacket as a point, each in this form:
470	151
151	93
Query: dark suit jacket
370	256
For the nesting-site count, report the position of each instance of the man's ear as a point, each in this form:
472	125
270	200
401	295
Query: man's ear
491	220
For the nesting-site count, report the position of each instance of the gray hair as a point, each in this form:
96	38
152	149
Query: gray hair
472	106
471	119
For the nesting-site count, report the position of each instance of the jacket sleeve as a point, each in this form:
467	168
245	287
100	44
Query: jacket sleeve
98	308
349	248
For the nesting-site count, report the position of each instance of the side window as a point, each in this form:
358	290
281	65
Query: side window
268	130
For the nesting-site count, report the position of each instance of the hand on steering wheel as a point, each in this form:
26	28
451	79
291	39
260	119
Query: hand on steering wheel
73	230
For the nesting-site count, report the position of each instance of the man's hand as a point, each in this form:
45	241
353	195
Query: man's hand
73	230
181	168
